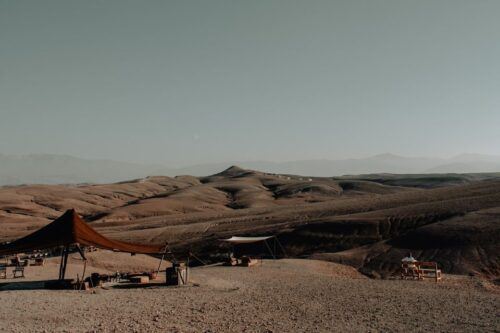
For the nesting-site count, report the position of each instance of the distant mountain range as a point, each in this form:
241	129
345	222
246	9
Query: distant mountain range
63	169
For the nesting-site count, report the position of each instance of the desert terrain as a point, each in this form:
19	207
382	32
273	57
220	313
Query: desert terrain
287	295
369	222
344	238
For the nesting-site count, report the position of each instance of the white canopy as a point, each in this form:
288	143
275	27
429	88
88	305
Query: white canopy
245	240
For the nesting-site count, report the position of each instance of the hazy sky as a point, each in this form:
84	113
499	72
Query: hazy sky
182	82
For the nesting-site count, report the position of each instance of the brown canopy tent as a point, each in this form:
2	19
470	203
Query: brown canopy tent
69	229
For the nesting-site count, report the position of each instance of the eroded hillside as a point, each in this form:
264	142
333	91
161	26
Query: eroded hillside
369	222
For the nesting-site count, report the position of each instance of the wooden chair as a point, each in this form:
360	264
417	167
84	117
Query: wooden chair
15	261
409	271
18	272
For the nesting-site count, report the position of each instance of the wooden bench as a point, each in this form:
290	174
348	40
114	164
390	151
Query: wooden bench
420	270
429	270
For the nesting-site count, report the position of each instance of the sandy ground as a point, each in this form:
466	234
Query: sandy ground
290	295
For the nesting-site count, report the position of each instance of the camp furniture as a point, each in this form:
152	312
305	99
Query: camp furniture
420	270
38	262
248	262
177	274
245	260
139	279
18	272
429	270
3	272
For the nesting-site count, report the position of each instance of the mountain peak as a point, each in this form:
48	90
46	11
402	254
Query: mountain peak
233	170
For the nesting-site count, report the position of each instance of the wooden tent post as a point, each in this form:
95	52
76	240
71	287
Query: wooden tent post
83	274
82	253
159	265
66	254
63	252
167	248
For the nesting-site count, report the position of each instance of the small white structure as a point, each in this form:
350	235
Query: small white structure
246	240
235	240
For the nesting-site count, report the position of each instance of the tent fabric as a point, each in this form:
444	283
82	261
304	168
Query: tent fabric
70	229
246	240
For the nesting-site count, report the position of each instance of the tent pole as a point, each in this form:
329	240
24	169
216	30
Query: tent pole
159	265
66	254
269	248
166	249
191	254
61	264
281	246
83	274
82	253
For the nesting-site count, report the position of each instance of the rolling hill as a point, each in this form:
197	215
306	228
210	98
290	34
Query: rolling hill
367	221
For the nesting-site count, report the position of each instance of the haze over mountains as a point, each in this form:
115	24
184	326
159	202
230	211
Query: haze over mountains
64	169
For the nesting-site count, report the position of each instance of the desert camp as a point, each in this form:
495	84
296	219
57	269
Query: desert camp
255	166
272	259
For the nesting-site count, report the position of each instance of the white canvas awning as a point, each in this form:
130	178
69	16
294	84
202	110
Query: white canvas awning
245	240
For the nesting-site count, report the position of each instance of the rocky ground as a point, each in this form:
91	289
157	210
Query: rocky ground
290	295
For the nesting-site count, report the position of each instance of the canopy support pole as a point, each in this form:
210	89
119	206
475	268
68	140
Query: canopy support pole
64	262
162	257
159	265
191	254
82	253
270	251
83	274
281	246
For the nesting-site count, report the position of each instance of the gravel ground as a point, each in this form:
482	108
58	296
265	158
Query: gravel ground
283	296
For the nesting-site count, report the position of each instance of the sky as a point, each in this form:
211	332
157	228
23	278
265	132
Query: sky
188	82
